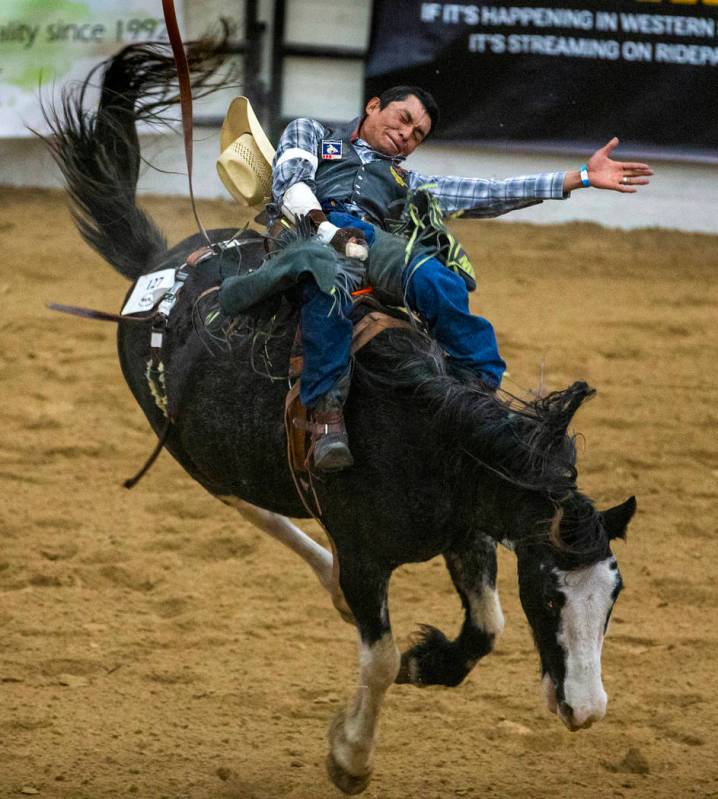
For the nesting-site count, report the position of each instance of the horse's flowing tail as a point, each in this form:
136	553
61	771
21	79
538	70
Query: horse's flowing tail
98	151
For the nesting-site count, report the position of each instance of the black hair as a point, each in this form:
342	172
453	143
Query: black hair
396	93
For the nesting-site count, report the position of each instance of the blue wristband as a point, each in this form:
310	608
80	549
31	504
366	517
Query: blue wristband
584	176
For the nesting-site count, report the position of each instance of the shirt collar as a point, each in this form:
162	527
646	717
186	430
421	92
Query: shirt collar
353	128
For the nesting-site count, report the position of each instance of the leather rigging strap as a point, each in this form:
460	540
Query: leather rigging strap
185	88
295	424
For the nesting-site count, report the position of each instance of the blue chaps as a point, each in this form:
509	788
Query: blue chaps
436	293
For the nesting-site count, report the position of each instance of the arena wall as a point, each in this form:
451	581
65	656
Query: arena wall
683	195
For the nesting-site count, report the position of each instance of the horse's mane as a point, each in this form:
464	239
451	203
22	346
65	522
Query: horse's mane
524	442
577	534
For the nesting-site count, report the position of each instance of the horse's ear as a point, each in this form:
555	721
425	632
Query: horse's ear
615	520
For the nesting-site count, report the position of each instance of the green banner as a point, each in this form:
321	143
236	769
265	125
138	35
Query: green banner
43	45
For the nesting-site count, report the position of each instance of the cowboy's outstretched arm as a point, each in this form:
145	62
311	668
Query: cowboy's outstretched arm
486	197
604	173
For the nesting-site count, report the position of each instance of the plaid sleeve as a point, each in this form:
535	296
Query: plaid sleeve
295	160
478	197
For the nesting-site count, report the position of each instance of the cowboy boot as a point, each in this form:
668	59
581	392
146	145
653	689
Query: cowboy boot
330	445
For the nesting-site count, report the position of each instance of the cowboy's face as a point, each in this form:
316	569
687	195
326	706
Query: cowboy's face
397	129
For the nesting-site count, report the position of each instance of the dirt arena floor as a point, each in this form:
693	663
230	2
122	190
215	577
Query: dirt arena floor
154	645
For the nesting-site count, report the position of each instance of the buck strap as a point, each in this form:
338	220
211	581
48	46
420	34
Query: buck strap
371	325
199	255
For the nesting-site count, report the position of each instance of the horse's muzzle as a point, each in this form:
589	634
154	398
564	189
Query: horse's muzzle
574	719
580	719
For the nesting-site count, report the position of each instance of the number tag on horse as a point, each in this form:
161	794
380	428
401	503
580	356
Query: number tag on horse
149	290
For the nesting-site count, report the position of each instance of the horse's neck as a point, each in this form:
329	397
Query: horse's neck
509	514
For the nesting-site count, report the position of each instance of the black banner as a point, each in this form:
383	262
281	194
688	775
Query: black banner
569	73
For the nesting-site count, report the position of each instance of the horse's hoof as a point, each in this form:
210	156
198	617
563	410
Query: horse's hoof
346	782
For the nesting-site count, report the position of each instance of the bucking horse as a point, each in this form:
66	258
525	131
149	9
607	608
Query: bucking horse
441	465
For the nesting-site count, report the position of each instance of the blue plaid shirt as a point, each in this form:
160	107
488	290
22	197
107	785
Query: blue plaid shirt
296	161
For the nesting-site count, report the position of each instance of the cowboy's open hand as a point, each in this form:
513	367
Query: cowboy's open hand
617	175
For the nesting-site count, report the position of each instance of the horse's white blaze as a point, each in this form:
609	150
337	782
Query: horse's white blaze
353	740
486	610
589	595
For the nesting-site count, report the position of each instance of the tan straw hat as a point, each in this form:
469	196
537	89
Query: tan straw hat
245	163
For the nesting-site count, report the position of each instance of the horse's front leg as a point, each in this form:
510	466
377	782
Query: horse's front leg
352	734
434	660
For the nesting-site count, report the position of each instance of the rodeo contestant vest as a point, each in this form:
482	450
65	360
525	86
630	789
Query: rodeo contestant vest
379	188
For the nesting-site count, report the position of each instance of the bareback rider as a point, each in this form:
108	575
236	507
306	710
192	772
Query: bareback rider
350	182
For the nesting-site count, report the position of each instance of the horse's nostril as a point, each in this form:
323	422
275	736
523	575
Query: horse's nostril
580	719
566	710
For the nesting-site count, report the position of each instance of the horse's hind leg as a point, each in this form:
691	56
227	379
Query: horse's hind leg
352	734
319	559
434	660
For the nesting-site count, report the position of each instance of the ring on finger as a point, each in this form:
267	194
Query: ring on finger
625	180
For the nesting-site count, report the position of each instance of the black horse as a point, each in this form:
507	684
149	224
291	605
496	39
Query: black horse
441	466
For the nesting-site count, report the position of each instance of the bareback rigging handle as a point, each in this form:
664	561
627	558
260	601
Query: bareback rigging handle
185	88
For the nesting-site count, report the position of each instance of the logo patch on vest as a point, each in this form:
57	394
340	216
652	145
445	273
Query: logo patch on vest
331	149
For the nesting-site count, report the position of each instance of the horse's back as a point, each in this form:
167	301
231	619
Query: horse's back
228	417
227	399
